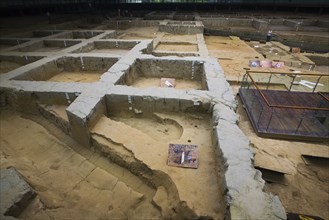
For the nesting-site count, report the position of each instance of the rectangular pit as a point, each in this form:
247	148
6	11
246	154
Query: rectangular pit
181	27
37	34
70	69
79	34
180	38
177	47
9	63
48	46
154	123
184	16
113	47
145	73
10	42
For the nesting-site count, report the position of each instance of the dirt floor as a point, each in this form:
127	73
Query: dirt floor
200	188
306	186
179	38
6	66
112	51
83	77
140	33
233	55
143	82
70	180
77	183
177	47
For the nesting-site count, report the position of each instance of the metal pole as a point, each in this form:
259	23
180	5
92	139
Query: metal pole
269	122
248	84
300	122
269	80
316	84
293	80
260	115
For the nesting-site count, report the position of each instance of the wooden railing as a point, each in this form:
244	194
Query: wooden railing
293	76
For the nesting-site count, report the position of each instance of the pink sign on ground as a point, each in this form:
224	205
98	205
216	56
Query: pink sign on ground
266	63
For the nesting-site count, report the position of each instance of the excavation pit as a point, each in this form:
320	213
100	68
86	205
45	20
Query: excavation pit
153	129
181	27
146	73
9	63
184	16
80	34
177	47
182	23
37	34
53	109
113	47
70	69
10	42
180	38
48	46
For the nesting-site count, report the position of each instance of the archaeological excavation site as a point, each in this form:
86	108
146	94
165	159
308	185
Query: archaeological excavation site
145	110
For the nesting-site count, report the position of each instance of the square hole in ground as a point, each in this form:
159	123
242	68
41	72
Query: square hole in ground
177	47
155	124
145	73
70	69
79	34
10	42
180	23
9	63
48	46
36	34
113	47
180	38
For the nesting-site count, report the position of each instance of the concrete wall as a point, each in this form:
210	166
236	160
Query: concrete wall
226	22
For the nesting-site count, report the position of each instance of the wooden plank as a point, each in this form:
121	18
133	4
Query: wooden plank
285	121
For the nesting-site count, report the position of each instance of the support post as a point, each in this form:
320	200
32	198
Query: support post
300	122
269	80
316	84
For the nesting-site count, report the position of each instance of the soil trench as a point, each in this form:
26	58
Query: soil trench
76	184
200	188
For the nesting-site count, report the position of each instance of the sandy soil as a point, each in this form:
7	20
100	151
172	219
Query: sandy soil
322	69
230	44
74	184
200	187
177	47
58	110
139	33
179	38
272	51
47	49
143	82
112	51
83	77
233	55
6	66
307	189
